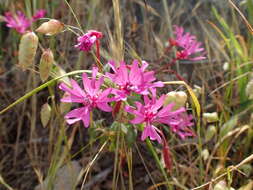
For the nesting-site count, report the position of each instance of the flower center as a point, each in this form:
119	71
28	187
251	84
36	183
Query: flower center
149	115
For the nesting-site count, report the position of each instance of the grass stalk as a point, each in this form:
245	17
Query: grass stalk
118	29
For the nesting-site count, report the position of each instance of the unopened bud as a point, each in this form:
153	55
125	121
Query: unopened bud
46	62
27	49
51	27
211	131
178	98
210	117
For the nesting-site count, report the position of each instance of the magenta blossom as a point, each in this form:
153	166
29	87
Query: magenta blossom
86	41
39	14
154	112
132	78
180	127
20	22
91	97
188	45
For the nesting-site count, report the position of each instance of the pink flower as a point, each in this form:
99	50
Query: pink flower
188	45
180	127
91	97
18	21
154	112
86	41
132	78
39	14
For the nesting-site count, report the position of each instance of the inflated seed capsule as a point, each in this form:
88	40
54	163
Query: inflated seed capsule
46	63
249	89
27	49
51	27
210	117
178	98
205	154
211	131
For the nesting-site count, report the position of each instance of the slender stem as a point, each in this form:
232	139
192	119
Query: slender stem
158	162
72	11
98	56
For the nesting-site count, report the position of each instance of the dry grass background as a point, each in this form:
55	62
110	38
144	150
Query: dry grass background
29	153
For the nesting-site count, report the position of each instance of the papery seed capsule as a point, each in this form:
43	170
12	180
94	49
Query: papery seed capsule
210	117
205	154
249	89
46	62
178	98
197	90
45	114
211	131
27	49
222	185
51	27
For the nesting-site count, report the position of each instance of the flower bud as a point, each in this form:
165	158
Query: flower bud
211	131
210	117
27	49
46	62
178	98
51	27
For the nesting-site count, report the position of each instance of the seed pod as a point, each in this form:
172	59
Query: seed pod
27	49
249	89
222	185
46	62
178	98
65	107
211	131
205	154
45	114
210	117
51	27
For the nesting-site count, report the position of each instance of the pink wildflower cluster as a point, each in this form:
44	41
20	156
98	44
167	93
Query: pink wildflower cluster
20	22
187	45
129	80
132	78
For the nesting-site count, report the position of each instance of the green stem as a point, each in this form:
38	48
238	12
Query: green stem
41	87
72	11
158	162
